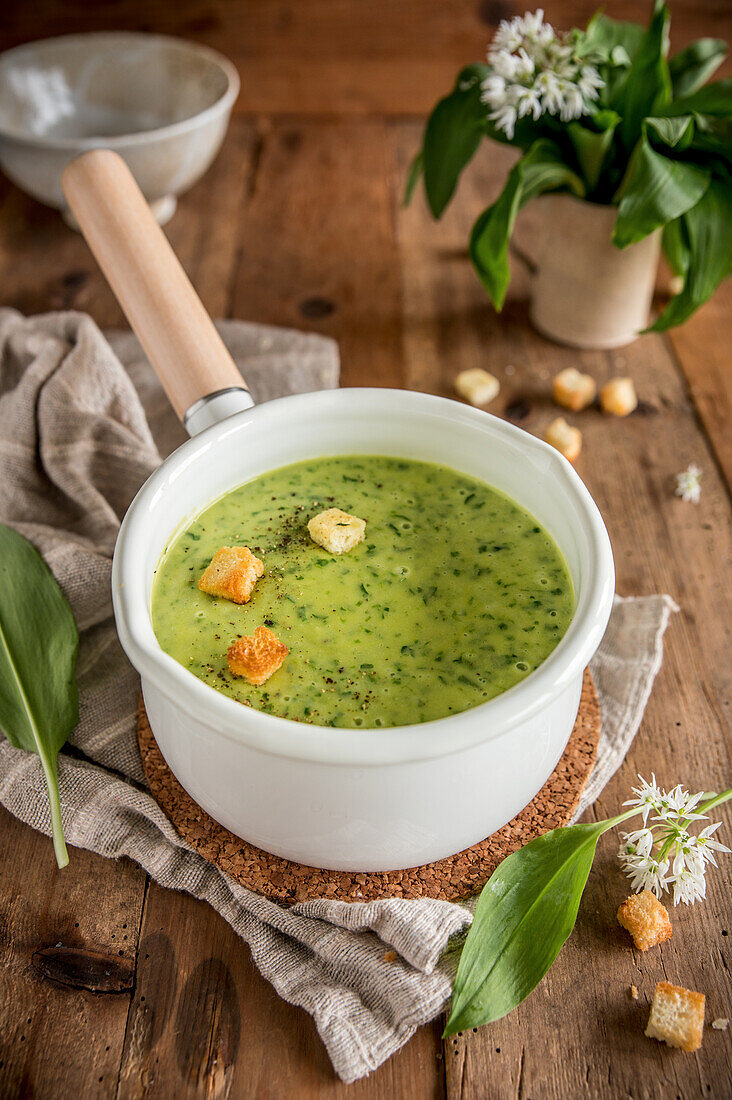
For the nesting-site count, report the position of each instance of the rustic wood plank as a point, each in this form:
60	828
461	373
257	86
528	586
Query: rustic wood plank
204	1023
318	244
580	1031
62	1026
338	56
702	347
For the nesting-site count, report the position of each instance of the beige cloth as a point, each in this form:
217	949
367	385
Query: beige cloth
75	445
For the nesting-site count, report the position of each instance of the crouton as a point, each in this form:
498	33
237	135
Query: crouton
646	919
336	531
232	573
677	1016
477	386
567	440
618	397
573	390
258	657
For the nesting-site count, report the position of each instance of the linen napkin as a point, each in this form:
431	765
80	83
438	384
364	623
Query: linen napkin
75	445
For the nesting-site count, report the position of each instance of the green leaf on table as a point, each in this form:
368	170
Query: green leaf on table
693	66
646	89
655	191
452	135
38	647
540	169
592	142
708	234
524	915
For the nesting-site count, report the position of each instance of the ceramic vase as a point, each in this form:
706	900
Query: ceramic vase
586	292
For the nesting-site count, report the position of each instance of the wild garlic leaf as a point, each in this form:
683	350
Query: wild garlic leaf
655	190
712	99
647	87
708	232
416	168
38	647
604	39
592	145
692	66
525	913
451	137
676	246
540	169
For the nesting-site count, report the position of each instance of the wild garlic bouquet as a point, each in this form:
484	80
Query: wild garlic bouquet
604	115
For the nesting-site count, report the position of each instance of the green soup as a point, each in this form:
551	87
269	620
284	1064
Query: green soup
455	595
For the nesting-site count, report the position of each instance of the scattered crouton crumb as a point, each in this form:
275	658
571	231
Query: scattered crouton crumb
258	657
336	531
390	956
573	390
675	285
720	1024
232	574
634	992
477	386
646	919
567	440
618	397
677	1016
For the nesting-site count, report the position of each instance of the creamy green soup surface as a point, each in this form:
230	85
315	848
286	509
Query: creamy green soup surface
455	595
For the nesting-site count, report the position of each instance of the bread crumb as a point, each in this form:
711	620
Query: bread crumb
566	439
390	956
336	531
232	574
720	1024
677	1017
646	919
573	390
477	386
634	992
675	285
258	657
618	397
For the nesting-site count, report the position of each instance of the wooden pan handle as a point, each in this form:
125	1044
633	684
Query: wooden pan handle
162	307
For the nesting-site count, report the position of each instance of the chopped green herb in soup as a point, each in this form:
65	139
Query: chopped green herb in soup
454	595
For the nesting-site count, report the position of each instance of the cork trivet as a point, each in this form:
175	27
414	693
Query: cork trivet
457	877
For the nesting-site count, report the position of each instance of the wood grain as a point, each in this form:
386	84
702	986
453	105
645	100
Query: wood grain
61	1032
299	222
203	1023
338	57
318	243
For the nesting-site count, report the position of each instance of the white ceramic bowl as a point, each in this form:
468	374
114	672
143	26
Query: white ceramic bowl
162	103
363	799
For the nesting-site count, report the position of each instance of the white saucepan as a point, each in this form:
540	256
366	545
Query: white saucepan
349	799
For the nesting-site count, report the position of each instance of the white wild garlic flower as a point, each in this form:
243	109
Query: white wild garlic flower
665	854
688	484
535	72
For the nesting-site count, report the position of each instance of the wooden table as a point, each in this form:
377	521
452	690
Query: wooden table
299	223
